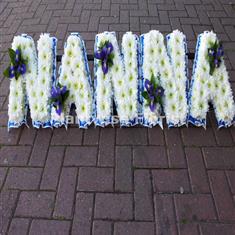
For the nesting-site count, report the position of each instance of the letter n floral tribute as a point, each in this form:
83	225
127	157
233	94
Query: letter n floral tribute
116	76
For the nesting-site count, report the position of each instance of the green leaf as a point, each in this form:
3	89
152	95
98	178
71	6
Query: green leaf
65	96
17	74
155	85
53	100
110	63
6	72
12	55
111	56
145	95
152	80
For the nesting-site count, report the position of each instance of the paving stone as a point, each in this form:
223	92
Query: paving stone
219	158
175	151
91	136
223	136
9	138
217	229
170	181
66	193
8	199
132	136
150	157
35	204
80	156
2	100
106	147
102	227
95	179
156	136
123	169
188	228
46	227
63	137
191	10
137	228
222	196
52	168
197	171
82	219
165	215
231	180
27	136
23	178
143	196
198	137
41	145
19	226
3	118
14	155
3	173
195	207
113	206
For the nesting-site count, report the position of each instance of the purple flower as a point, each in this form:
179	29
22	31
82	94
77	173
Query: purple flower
21	69
215	53
154	93
149	88
159	91
220	51
103	55
216	62
211	52
57	94
58	106
152	105
12	71
17	56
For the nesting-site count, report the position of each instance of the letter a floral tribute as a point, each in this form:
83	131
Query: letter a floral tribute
74	85
210	83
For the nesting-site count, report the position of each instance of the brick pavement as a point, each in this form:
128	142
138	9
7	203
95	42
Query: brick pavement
116	181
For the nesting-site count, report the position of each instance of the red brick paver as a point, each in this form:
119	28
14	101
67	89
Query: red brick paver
113	181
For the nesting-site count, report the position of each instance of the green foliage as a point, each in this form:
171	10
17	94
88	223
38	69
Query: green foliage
12	56
61	98
213	46
110	56
157	98
6	72
145	95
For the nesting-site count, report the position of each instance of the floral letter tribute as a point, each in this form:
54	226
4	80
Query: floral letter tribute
27	87
117	75
168	74
210	83
40	89
75	77
144	80
23	49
